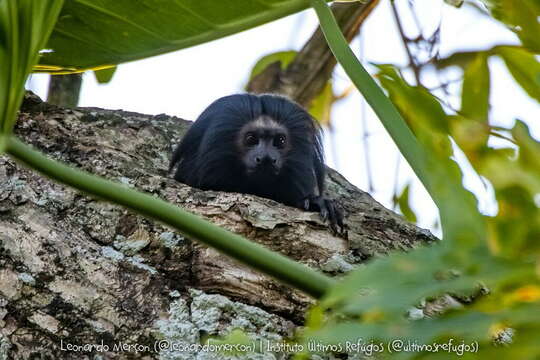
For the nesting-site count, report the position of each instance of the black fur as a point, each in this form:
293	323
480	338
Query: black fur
208	157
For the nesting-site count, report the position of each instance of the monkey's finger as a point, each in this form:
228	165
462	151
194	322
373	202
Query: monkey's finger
342	225
307	203
339	218
324	213
323	209
332	215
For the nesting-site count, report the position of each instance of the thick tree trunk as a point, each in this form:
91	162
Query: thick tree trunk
75	271
64	90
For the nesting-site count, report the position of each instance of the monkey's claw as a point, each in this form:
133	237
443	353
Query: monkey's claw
329	211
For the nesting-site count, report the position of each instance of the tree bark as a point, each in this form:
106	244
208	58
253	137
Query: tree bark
80	278
76	271
64	90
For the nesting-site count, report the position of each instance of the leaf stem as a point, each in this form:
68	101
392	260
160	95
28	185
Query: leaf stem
271	263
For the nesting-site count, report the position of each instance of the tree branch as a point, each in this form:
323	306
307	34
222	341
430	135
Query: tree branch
305	77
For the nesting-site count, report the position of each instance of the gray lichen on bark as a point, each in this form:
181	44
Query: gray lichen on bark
78	270
188	324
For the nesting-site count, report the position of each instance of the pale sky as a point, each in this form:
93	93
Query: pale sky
183	83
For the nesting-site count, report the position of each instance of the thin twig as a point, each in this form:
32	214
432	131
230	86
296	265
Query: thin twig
504	137
365	134
405	40
413	14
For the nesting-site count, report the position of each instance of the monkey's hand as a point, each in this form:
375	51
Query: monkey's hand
329	210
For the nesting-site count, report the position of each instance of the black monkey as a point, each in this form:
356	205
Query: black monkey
265	145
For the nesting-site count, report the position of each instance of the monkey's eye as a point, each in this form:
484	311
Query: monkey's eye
279	141
251	139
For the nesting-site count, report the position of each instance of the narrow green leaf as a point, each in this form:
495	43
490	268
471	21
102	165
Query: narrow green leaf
529	148
25	26
321	106
441	176
460	58
475	91
422	111
404	205
524	68
387	113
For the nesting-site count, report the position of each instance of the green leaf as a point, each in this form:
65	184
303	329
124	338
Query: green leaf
529	148
404	205
471	136
321	106
475	329
515	177
516	229
464	58
92	34
104	76
25	26
283	57
461	59
475	92
399	281
521	16
423	112
524	68
504	172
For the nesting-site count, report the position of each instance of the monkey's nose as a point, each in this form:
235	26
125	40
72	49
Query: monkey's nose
265	160
261	159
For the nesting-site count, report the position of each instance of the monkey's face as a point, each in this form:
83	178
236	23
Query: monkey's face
263	145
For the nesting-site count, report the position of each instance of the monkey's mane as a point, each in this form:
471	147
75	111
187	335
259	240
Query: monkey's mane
208	157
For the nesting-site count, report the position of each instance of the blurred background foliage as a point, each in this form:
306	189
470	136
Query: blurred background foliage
495	279
491	273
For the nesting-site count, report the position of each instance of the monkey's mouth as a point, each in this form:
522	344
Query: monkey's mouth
263	170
